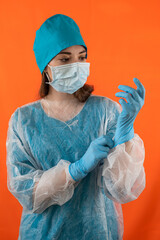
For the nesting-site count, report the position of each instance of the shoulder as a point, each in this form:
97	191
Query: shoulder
24	112
105	102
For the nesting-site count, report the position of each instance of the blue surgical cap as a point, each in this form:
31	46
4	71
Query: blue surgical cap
55	34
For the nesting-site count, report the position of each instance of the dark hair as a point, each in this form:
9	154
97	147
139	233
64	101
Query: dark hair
82	94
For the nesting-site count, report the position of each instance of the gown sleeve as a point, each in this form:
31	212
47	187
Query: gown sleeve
122	175
34	188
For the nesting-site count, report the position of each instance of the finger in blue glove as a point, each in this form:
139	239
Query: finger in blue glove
134	100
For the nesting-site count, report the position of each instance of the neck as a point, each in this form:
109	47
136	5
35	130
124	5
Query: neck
60	97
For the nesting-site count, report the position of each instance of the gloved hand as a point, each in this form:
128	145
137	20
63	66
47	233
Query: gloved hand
97	151
135	100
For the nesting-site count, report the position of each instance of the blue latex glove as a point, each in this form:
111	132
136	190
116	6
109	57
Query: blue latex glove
97	151
135	100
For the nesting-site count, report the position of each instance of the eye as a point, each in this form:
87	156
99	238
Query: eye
83	58
64	59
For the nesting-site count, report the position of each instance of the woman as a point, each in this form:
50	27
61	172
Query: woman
73	158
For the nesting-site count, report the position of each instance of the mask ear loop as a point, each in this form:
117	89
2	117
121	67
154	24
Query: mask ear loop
48	77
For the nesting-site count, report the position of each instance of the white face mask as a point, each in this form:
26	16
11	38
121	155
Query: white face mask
69	78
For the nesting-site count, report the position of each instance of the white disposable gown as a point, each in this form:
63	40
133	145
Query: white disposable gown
40	148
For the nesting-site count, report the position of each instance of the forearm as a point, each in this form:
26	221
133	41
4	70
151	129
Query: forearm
128	146
123	172
61	179
54	187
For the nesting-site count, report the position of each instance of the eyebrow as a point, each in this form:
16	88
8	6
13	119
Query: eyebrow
70	52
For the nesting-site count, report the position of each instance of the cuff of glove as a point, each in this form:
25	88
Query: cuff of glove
119	139
75	172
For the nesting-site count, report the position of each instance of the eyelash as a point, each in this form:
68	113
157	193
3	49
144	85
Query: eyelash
68	59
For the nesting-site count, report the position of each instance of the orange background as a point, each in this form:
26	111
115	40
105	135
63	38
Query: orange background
123	39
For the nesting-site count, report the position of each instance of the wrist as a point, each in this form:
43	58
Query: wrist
122	137
76	171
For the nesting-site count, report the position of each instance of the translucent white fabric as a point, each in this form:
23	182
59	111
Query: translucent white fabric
51	189
123	171
39	151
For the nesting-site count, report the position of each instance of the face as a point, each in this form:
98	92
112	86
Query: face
76	53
